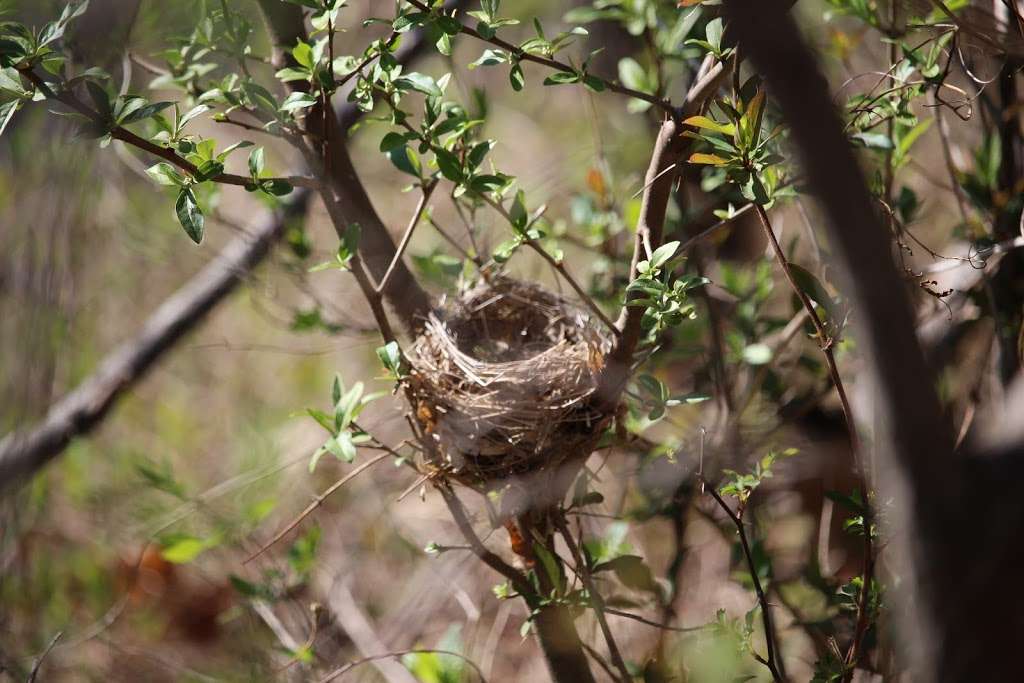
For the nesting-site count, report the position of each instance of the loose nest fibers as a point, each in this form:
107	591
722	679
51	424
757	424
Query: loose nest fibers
504	379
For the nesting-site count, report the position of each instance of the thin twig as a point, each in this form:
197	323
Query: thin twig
772	662
317	502
595	596
38	663
521	55
559	267
867	572
824	340
68	98
650	622
428	189
515	577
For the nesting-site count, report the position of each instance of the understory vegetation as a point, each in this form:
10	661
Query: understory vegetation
625	340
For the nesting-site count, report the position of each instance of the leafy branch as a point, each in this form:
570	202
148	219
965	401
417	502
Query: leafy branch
569	73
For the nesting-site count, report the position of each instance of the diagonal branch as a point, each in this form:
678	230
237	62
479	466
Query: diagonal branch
773	661
669	151
23	453
68	98
522	55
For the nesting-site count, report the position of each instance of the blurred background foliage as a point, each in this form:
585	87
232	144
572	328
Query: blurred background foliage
130	547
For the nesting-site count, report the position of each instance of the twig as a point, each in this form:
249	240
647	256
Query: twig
38	663
916	442
521	55
317	502
68	98
595	597
824	340
772	662
355	623
455	245
596	656
22	453
867	572
650	622
514	576
399	653
413	222
558	266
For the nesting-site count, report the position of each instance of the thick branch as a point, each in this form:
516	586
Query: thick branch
347	200
915	442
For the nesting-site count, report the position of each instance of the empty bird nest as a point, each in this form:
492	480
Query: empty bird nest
503	378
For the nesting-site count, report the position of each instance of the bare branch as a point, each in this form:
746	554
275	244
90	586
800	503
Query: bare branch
22	453
317	502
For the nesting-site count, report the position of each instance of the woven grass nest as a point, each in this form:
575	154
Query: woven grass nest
503	377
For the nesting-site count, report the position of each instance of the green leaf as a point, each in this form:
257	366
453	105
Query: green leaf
276	187
911	137
231	148
256	162
710	124
297	101
349	243
817	292
563	78
209	170
7	110
449	164
663	253
184	549
190	215
714	33
406	160
303	54
503	252
419	82
392	141
139	113
99	98
709	159
490	58
391	358
302	553
10	82
516	77
165	174
409	21
632	572
518	211
632	75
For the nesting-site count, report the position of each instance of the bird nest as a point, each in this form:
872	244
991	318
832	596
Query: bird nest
503	378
